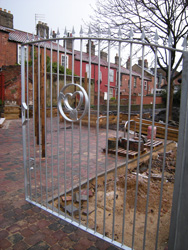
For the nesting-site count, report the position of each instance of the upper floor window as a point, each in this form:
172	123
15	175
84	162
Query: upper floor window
134	82
100	76
19	54
63	60
111	75
145	85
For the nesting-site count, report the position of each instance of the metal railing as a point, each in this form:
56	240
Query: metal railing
68	166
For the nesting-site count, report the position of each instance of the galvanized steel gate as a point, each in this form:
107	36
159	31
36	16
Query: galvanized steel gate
63	166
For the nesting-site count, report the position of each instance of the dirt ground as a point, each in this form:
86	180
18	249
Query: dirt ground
128	207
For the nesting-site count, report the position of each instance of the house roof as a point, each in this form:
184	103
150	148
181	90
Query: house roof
145	69
23	37
4	29
94	60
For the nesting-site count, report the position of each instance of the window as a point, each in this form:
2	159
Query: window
117	78
19	54
100	76
111	75
134	82
111	93
87	71
145	85
63	60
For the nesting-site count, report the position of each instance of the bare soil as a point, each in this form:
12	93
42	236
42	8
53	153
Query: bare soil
128	208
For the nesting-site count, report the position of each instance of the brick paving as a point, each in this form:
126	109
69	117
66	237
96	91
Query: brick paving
23	225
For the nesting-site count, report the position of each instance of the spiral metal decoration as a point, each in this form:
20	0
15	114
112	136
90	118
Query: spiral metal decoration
73	112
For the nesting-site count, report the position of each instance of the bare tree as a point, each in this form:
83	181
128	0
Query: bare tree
165	16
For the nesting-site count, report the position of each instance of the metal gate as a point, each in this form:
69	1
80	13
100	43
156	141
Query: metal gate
83	161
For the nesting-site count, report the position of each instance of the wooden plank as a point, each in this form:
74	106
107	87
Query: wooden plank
155	144
172	132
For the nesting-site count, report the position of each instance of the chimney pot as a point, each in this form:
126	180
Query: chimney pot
9	12
5	10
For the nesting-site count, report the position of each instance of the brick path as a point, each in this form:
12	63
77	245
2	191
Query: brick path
22	225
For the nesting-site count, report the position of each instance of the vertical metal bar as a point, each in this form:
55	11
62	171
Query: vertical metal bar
72	165
107	130
39	126
58	126
97	137
127	159
23	120
65	145
140	132
178	228
151	149
165	143
28	123
45	128
80	136
117	136
72	134
51	124
33	78
88	154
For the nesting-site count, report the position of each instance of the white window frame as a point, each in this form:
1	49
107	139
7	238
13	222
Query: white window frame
19	54
63	61
87	71
100	76
111	93
111	75
145	85
134	81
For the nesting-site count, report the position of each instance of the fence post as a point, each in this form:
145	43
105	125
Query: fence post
179	218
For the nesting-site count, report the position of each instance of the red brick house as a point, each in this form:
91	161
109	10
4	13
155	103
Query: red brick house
10	46
10	57
94	70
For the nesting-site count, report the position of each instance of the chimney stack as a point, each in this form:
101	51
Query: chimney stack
92	48
146	63
69	42
6	19
117	59
140	62
41	27
103	55
128	63
54	34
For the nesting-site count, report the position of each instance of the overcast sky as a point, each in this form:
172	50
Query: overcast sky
57	13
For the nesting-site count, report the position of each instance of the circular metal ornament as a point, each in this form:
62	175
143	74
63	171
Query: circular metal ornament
73	112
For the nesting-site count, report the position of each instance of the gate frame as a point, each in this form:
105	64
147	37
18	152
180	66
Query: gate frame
178	228
179	217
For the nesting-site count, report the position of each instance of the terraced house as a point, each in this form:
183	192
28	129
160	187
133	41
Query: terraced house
10	60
